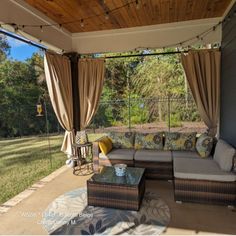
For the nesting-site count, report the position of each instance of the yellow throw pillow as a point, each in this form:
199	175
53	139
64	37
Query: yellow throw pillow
105	145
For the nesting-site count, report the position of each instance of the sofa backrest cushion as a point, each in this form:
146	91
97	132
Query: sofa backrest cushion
224	154
149	141
105	145
122	139
204	145
176	141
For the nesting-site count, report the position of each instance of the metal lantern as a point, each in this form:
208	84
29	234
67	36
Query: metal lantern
39	109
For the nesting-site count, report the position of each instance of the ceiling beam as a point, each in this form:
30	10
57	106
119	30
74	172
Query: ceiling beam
19	12
155	36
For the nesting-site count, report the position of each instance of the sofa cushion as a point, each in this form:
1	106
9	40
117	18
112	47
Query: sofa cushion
105	145
153	155
185	154
149	141
119	154
175	141
204	145
201	169
122	139
224	154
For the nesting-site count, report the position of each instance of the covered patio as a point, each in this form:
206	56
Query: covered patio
78	37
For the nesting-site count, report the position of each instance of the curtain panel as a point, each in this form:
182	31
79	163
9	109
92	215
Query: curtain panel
91	78
59	83
202	69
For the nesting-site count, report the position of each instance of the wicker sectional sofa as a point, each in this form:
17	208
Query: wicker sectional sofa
196	179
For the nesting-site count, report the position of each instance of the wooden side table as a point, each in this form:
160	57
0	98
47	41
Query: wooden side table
83	159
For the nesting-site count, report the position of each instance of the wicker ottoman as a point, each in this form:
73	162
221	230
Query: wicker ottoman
107	190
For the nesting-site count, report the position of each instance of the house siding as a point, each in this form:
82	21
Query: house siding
228	79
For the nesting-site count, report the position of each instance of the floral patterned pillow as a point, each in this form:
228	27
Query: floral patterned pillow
204	145
122	139
175	141
149	141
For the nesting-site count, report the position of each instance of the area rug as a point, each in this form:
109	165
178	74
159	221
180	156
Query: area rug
70	215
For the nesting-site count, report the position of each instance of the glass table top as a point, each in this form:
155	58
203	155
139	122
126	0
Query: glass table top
107	175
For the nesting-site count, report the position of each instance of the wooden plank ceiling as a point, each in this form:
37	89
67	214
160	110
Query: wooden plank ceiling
126	13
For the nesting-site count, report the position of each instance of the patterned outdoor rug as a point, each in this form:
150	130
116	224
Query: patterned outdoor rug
70	215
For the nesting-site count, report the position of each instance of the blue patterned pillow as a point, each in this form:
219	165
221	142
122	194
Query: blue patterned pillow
204	145
122	139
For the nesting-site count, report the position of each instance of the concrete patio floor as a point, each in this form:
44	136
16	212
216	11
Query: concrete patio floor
186	218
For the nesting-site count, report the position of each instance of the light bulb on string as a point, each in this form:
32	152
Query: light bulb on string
107	16
82	23
137	4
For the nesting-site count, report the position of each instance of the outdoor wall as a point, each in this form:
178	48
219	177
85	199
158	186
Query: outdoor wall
228	79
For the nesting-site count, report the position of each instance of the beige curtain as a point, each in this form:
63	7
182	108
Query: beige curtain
202	69
91	77
58	78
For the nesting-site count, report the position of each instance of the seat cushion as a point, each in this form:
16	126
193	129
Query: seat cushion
153	156
175	141
122	139
119	154
224	154
201	169
149	141
185	154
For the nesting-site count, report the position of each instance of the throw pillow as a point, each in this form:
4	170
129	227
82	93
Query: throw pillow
122	139
234	163
149	141
105	145
204	145
224	154
175	141
81	137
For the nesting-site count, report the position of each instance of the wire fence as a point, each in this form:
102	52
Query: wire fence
165	113
159	113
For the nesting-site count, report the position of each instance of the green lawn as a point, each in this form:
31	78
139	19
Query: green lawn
24	161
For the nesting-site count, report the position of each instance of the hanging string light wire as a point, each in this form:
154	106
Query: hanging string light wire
107	12
185	43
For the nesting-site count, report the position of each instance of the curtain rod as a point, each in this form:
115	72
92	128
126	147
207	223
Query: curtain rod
22	39
144	55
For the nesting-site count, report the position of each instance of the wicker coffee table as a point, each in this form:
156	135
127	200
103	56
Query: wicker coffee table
108	190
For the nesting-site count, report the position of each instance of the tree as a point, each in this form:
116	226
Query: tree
22	85
4	48
157	78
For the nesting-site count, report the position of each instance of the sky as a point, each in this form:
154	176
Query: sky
19	50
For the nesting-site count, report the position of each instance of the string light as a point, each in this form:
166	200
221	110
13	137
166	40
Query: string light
79	20
107	16
107	13
137	4
82	23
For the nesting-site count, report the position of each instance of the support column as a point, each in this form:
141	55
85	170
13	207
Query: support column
74	56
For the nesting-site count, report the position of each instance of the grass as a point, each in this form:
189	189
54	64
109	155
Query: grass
24	161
